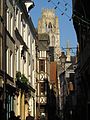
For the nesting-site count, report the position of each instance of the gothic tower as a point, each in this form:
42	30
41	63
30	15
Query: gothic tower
68	55
48	23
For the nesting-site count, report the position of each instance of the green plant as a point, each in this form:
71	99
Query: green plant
21	77
24	79
18	75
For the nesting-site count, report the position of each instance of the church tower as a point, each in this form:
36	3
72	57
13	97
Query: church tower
68	55
48	23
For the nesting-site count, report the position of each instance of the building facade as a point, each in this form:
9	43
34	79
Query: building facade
17	59
67	85
81	20
2	59
48	23
43	77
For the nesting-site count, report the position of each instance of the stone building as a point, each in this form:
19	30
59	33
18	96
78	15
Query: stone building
48	23
17	58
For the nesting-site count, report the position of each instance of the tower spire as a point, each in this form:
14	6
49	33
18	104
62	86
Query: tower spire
68	51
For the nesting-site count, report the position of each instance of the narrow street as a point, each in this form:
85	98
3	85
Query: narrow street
43	74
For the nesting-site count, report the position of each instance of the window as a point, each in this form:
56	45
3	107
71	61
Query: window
7	59
11	63
23	54
17	59
42	88
42	65
33	64
45	88
1	8
7	19
11	29
50	26
17	18
11	23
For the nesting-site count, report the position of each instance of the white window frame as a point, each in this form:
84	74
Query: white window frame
11	63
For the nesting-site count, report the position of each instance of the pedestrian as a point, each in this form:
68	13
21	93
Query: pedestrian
18	117
28	117
12	116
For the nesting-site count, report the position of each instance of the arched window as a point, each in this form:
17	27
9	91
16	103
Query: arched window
50	26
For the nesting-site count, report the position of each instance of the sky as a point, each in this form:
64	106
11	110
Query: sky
67	32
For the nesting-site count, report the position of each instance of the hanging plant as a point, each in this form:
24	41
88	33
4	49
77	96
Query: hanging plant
18	75
24	79
21	77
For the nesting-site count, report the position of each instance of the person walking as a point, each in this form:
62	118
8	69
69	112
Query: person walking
18	117
28	117
12	116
